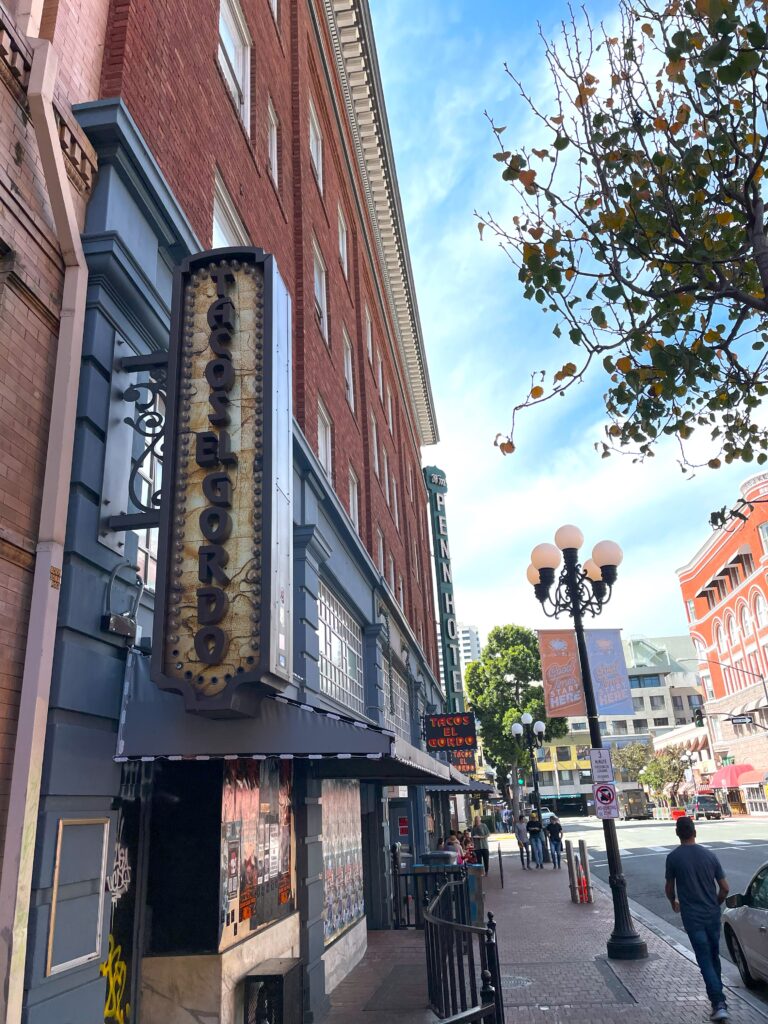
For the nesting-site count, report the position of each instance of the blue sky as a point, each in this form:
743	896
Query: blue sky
442	66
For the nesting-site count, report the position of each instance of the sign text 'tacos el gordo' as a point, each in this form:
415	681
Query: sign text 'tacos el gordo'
450	732
223	608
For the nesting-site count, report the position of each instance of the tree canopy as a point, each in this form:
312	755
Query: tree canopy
498	702
666	769
632	758
641	226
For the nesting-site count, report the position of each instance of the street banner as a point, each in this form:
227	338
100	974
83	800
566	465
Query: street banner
561	673
605	654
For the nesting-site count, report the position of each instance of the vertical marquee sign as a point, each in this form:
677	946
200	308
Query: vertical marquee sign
449	634
223	608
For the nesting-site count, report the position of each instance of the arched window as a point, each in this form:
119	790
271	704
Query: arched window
720	639
746	622
761	611
698	646
733	631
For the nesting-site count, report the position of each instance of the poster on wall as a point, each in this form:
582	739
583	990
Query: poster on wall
343	903
256	847
561	673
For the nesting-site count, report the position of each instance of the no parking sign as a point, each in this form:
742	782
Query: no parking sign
606	804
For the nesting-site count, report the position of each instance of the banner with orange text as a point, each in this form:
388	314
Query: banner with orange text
561	673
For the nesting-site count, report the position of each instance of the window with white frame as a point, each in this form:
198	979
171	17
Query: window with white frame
349	381
235	56
389	409
763	531
415	559
400	590
746	622
397	706
272	144
321	289
228	229
324	439
380	551
341	652
354	499
720	638
375	444
707	684
733	632
421	636
761	611
395	506
369	334
343	244
410	481
385	473
315	144
150	474
273	8
380	374
391	572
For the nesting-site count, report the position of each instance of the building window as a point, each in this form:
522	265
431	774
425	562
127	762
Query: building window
349	383
397	707
677	703
566	775
707	682
375	445
354	499
315	145
391	572
691	607
761	609
763	531
638	704
421	636
659	722
400	591
389	409
380	374
746	622
273	8
720	639
343	247
325	439
385	473
410	481
380	550
695	700
563	753
657	703
619	728
228	229
748	564
341	652
321	290
368	334
579	726
733	633
272	150
415	559
235	57
395	506
645	682
640	725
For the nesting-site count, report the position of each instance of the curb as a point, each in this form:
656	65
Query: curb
676	939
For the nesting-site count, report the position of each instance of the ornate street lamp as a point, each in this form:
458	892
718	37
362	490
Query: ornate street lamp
534	735
581	589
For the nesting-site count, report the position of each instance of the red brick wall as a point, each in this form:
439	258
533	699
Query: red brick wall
162	60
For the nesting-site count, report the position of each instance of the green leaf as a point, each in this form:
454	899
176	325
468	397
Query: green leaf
598	316
756	34
502	156
747	61
715	54
561	142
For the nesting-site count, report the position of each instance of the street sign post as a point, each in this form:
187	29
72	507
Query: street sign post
602	766
741	720
606	804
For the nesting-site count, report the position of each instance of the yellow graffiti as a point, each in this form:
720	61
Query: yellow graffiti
115	970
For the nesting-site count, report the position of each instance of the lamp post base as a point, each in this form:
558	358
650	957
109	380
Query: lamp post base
626	947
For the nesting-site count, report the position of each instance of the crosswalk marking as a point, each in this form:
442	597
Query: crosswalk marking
660	849
738	842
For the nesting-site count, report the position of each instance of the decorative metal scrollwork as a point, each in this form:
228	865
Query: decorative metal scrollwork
149	422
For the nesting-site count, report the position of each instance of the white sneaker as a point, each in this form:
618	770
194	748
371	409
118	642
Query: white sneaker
719	1013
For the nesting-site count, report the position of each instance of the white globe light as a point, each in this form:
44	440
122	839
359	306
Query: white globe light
533	575
607	552
545	556
539	728
569	537
525	718
517	729
593	570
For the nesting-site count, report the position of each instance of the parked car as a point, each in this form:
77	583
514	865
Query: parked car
546	815
704	806
745	926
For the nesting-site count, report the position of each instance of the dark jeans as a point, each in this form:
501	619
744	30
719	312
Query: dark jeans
525	854
537	845
705	940
556	849
483	855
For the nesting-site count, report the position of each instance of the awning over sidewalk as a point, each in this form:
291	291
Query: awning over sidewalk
155	724
728	777
754	778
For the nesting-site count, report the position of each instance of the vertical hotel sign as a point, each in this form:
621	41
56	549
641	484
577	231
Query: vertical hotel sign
223	608
446	609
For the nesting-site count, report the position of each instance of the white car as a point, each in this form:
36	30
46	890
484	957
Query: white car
745	926
546	816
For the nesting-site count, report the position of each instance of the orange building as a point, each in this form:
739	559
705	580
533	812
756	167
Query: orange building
725	591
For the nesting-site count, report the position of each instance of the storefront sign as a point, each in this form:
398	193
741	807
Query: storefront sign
561	673
450	732
223	605
608	669
446	610
463	759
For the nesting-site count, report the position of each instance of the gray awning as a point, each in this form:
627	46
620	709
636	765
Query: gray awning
155	724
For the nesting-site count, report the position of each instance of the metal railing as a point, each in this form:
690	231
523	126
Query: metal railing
413	887
463	974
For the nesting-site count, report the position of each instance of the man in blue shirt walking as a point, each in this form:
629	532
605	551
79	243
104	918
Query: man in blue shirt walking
696	887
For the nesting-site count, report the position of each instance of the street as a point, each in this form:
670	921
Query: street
740	843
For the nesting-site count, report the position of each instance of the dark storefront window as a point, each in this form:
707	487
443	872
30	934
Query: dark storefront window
343	903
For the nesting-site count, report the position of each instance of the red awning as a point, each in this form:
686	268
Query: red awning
752	778
728	777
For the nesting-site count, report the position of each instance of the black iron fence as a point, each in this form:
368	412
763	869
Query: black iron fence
413	888
463	975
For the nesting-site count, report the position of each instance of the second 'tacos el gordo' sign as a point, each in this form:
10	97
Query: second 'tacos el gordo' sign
223	608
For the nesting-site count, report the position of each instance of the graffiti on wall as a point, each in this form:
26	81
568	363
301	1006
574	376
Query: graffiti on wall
115	970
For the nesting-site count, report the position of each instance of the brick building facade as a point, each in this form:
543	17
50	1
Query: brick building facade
725	591
214	123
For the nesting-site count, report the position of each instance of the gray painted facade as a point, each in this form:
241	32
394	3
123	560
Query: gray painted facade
135	233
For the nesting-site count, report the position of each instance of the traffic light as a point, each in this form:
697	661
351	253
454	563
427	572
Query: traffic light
698	717
520	781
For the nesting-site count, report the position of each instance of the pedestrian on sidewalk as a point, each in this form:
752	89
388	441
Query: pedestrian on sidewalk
523	842
555	831
537	840
480	833
696	887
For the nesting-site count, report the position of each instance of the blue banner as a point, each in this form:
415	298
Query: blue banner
608	668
